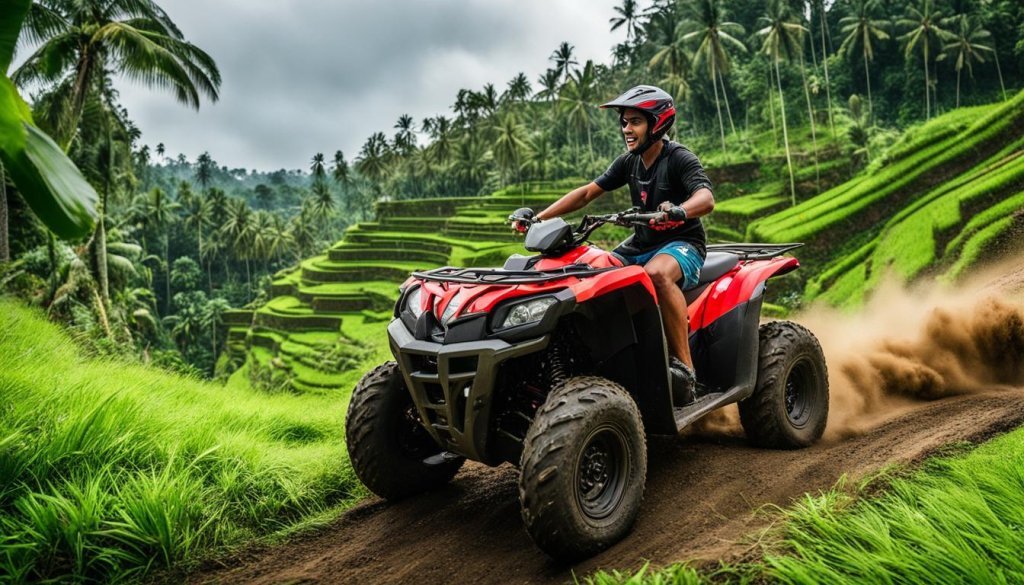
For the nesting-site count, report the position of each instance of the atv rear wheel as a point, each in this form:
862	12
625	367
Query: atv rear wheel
583	468
391	452
789	406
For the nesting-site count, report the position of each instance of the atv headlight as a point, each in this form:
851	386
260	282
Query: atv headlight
412	302
528	312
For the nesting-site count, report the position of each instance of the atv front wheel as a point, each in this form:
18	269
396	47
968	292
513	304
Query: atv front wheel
583	468
789	406
391	452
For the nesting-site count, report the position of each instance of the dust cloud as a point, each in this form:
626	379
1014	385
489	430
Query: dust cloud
910	345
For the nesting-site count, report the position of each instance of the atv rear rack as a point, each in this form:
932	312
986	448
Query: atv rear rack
499	276
754	251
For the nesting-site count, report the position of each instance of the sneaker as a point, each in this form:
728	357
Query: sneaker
684	381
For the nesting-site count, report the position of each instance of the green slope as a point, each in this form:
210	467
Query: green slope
945	197
111	470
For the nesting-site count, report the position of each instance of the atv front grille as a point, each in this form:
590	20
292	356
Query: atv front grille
452	385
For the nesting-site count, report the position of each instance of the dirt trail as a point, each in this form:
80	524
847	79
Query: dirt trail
703	490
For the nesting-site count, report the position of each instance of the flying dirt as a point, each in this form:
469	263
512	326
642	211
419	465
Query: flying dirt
911	372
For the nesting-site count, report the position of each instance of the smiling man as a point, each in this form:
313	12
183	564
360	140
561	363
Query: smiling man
662	176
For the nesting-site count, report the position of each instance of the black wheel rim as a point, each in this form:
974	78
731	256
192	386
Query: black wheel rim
602	471
413	439
799	393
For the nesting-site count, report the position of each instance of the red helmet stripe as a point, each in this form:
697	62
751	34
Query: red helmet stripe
647	104
663	118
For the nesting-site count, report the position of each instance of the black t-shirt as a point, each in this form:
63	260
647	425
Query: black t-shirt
674	176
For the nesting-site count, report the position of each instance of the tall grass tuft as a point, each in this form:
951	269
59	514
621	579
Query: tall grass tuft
110	471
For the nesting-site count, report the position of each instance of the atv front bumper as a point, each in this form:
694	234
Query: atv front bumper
452	385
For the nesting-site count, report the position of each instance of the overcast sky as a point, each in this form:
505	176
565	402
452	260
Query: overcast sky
307	76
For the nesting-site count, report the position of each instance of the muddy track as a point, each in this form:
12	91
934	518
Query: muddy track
701	501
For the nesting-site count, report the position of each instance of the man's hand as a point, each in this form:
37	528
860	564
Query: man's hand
670	217
522	219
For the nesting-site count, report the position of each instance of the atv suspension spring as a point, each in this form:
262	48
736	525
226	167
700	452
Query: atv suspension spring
557	369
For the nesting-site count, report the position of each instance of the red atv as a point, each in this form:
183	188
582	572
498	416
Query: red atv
557	363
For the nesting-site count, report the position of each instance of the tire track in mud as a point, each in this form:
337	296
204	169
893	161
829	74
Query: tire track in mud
701	501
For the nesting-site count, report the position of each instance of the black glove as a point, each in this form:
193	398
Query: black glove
522	219
670	216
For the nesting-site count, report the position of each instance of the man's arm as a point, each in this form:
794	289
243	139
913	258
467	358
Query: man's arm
573	200
700	203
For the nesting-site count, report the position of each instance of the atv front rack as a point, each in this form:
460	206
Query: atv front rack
499	276
754	251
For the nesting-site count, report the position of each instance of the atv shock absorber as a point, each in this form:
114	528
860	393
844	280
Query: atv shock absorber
557	366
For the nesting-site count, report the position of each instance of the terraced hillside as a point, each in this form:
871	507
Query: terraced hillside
327	314
948	195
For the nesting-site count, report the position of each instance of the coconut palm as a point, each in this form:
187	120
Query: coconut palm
564	60
705	27
923	29
782	40
317	168
204	170
405	138
518	90
671	56
863	30
628	17
157	210
509	142
578	97
966	48
819	6
372	161
79	42
549	84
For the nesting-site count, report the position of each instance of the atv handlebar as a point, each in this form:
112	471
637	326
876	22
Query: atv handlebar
630	217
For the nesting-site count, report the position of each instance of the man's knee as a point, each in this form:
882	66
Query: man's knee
662	276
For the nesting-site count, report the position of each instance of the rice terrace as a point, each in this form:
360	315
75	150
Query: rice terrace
629	291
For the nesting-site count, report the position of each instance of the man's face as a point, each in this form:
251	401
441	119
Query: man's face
634	127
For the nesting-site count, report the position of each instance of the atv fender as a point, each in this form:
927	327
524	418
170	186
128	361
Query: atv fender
737	286
724	324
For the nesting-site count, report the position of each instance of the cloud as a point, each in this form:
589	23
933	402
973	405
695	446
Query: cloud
306	76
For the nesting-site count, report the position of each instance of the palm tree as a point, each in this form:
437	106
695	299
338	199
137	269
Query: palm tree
781	40
564	60
629	17
578	96
212	317
160	151
405	138
339	170
671	55
158	211
705	28
862	29
965	47
322	203
518	89
548	82
509	142
204	170
80	41
922	26
372	162
317	168
197	214
821	9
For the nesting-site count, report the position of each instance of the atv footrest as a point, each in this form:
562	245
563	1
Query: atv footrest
689	414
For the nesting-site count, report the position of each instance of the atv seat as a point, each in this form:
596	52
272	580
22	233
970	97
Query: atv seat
716	264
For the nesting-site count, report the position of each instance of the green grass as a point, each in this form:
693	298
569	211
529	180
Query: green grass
111	470
957	519
879	184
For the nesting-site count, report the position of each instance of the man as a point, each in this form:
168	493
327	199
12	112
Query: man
662	176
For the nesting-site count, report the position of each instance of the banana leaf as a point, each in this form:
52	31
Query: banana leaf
50	183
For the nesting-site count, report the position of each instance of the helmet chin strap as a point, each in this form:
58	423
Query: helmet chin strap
648	139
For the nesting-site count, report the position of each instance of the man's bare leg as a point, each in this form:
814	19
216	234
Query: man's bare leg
665	273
